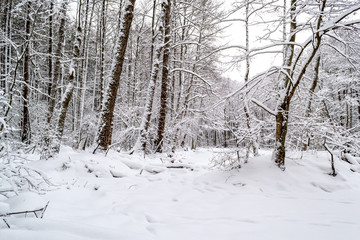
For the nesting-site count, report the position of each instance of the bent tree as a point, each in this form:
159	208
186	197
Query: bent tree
107	114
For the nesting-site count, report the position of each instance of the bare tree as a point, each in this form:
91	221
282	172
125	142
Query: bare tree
66	98
141	141
107	114
58	57
166	5
25	130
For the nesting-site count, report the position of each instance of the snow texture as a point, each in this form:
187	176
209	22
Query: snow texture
129	197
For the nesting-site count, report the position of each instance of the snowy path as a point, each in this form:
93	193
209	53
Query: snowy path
256	202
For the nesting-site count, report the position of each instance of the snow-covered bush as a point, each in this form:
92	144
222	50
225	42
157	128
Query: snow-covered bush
229	160
16	177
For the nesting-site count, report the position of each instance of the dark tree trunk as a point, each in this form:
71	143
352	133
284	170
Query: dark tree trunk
50	50
3	49
165	77
283	109
57	66
105	130
102	52
280	132
25	131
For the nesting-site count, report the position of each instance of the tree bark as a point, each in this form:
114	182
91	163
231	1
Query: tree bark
3	49
58	55
102	53
141	141
83	70
25	131
282	113
107	115
66	98
50	50
283	108
166	5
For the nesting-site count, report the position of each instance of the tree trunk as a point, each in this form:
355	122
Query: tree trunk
141	141
83	71
105	130
166	5
66	98
102	53
280	133
25	131
65	104
50	50
3	49
251	143
58	56
283	108
282	114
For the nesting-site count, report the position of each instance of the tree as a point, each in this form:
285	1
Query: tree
107	114
141	141
166	5
25	130
66	98
58	56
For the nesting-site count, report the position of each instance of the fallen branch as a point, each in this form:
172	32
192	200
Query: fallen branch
41	210
180	166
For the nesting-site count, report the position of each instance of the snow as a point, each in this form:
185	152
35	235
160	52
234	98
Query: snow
4	208
25	201
148	200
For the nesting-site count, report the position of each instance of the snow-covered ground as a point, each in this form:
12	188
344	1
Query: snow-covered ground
147	200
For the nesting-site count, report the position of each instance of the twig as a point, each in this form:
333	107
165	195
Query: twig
332	159
96	148
6	223
43	211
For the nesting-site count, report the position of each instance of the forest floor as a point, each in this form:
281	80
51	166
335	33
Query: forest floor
147	200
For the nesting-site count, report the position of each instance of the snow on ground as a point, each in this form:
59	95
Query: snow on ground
129	197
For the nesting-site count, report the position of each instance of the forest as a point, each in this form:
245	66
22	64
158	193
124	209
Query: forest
107	74
148	76
134	108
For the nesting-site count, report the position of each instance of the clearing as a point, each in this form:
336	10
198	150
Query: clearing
129	197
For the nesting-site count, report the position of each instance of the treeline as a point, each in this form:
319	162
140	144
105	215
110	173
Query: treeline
147	76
